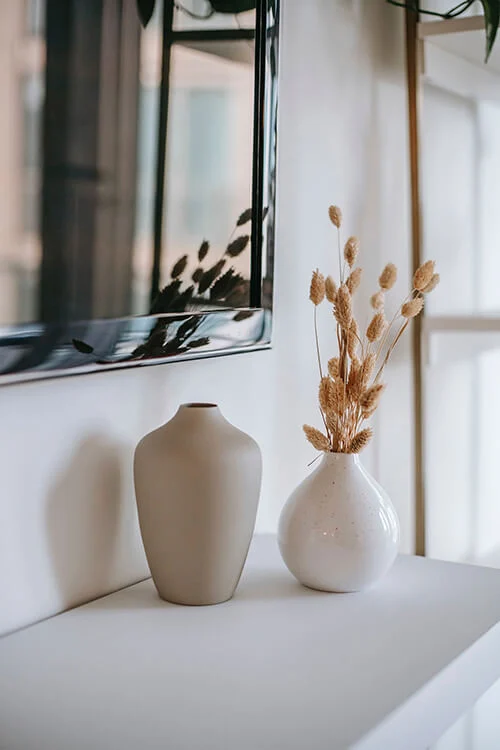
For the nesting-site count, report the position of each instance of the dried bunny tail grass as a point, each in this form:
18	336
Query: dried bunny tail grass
327	394
351	250
317	288
377	327
339	397
388	277
432	284
354	280
360	440
353	339
412	308
377	300
354	378
370	399
335	215
343	307
330	290
423	275
333	367
316	438
366	370
332	422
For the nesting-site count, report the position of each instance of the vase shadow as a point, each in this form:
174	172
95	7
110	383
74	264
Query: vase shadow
83	520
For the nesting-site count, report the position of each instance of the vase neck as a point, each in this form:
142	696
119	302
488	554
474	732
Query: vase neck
343	460
198	415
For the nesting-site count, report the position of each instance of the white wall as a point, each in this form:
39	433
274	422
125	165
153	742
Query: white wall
67	518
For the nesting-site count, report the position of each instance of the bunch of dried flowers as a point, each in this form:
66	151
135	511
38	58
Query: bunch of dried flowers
350	389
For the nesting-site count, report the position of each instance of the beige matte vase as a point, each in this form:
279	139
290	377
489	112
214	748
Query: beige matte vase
197	484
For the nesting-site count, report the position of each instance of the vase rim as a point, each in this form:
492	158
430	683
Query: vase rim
198	405
337	455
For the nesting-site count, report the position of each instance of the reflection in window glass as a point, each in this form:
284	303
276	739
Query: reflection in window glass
199	14
22	55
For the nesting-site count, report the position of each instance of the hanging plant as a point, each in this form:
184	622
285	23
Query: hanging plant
491	10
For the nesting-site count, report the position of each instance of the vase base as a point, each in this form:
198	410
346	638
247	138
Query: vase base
332	590
180	601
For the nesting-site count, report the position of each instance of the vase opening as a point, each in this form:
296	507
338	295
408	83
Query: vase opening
196	405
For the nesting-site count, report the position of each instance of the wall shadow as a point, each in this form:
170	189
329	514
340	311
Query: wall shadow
83	520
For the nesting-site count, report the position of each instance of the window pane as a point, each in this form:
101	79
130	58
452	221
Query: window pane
462	447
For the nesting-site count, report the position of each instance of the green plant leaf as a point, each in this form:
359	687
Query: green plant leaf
82	347
145	9
491	10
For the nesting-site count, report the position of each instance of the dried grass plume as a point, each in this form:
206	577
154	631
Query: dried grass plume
316	438
388	277
335	215
330	289
354	280
377	327
412	308
343	307
377	300
423	275
360	440
432	284
351	250
317	288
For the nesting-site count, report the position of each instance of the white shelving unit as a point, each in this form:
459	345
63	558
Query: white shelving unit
279	666
452	58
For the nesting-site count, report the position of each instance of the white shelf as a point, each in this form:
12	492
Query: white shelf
461	323
463	38
447	26
279	666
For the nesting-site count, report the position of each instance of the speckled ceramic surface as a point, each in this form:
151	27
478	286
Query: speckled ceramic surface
338	530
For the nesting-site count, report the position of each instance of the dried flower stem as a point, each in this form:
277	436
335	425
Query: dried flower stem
390	350
319	362
341	266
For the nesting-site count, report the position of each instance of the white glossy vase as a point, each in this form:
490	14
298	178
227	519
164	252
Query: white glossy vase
338	530
197	483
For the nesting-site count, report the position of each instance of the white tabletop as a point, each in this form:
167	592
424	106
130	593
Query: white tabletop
279	667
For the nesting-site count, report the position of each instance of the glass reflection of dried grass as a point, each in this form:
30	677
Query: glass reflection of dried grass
210	286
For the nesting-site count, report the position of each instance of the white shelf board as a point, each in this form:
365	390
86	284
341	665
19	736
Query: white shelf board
461	323
464	38
443	27
279	666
